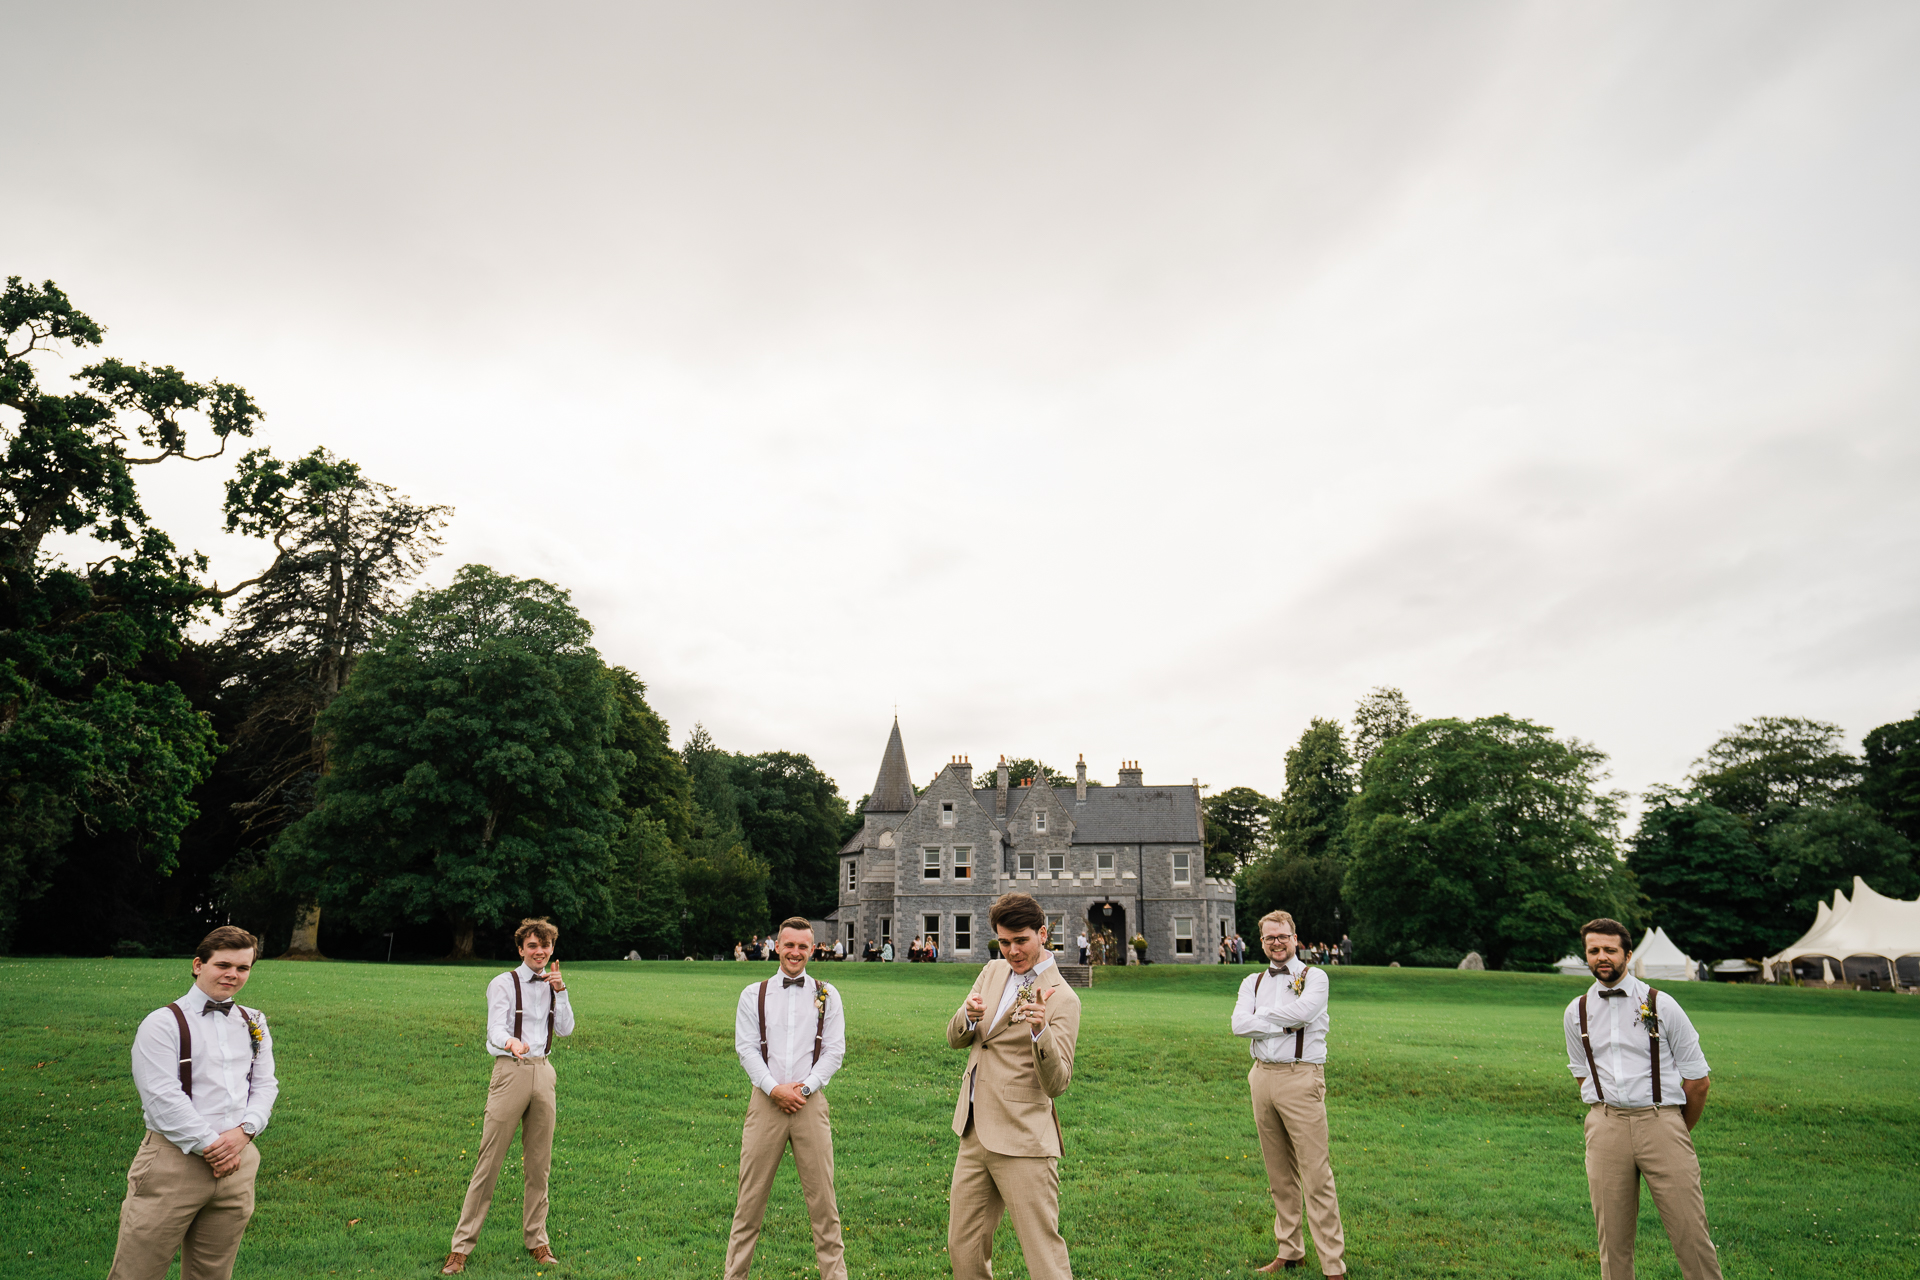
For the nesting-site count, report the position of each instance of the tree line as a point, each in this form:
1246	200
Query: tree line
332	759
1422	840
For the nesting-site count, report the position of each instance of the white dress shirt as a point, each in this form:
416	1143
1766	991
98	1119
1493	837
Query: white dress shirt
1014	982
1619	1042
536	997
791	1022
1272	1017
231	1087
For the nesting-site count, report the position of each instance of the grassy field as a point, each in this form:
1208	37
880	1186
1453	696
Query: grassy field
1455	1125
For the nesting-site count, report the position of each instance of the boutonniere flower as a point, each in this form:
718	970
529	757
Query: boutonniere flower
1649	1019
1299	983
254	1032
820	997
1023	997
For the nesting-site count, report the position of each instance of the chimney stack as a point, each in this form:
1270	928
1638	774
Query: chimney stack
1080	778
964	767
1000	790
1130	773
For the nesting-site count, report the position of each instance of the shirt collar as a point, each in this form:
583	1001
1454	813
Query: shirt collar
782	975
195	1000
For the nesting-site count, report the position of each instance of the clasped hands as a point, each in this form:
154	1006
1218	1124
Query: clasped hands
788	1097
224	1152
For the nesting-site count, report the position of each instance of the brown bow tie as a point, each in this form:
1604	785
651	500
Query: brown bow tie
786	982
1609	993
218	1006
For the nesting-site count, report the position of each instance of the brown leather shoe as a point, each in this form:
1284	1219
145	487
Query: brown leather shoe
456	1263
543	1255
1281	1264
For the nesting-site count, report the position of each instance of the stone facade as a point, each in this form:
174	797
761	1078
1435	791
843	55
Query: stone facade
1128	858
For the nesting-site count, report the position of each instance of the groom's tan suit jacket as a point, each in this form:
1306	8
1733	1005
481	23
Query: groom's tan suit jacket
1011	1078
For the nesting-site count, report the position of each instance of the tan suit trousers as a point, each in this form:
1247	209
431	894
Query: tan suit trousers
520	1096
764	1139
174	1205
987	1185
1626	1144
1290	1113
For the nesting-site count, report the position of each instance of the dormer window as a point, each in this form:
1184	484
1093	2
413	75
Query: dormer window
946	813
1040	822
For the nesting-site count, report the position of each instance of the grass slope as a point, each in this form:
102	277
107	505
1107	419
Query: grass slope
1455	1125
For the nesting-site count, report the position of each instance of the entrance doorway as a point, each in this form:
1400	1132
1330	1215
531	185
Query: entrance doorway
1107	933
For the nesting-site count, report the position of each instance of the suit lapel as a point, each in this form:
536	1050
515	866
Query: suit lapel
996	989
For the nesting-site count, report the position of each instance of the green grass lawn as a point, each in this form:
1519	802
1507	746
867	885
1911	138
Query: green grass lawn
1456	1127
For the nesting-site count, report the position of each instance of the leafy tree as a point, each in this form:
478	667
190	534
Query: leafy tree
1307	888
1023	767
1239	828
726	898
474	776
1487	835
346	545
1816	849
1891	780
1380	716
792	815
1709	882
657	788
89	735
1311	815
1773	764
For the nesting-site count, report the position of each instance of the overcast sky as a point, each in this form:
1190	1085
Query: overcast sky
1129	379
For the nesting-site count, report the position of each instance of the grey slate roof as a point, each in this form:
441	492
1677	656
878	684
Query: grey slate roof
893	789
1121	815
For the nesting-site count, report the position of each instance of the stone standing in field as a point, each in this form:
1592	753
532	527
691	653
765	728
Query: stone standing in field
204	1069
1019	1024
1283	1011
791	1034
527	1008
1629	1046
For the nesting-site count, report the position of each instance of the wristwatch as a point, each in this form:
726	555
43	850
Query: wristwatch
248	1128
806	1091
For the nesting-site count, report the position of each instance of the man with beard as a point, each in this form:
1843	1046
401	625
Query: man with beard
1628	1045
1282	1010
790	1034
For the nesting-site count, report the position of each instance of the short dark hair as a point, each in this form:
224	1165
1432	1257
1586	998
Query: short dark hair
1017	911
228	937
544	929
1606	925
796	922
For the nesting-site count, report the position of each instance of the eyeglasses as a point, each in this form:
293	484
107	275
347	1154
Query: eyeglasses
1277	937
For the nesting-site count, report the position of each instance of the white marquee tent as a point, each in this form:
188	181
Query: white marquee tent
1857	940
1658	959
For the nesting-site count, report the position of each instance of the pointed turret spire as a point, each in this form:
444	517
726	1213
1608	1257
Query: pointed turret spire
893	789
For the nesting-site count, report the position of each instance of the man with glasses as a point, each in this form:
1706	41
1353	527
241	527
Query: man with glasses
1282	1010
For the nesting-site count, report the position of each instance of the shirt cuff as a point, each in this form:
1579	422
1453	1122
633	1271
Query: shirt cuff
813	1083
767	1084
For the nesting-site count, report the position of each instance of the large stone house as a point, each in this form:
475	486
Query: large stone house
1126	858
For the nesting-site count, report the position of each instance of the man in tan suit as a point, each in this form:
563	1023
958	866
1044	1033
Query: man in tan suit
1019	1025
790	1033
204	1068
1633	1049
526	1008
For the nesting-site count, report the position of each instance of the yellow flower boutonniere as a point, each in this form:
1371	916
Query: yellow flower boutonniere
1649	1019
1299	983
254	1031
820	997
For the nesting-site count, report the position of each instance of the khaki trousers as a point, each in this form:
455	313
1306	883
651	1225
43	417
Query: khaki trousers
520	1095
1625	1144
1290	1113
174	1205
987	1185
764	1139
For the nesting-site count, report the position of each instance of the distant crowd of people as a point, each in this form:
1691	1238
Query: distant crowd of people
1234	950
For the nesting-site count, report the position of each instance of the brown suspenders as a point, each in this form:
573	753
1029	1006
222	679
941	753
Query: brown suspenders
1653	1042
1593	1068
186	1050
186	1046
515	975
819	1029
1653	1046
1299	1032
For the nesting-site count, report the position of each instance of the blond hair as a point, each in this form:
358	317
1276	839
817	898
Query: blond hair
543	929
1277	917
